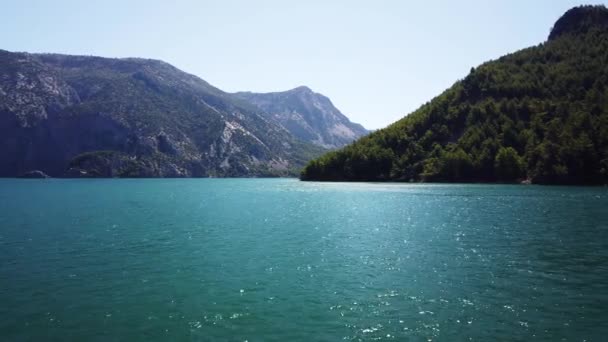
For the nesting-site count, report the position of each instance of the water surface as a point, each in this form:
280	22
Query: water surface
282	260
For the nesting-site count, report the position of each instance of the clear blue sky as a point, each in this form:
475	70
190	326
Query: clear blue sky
376	60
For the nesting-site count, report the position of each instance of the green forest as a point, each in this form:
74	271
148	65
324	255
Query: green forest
539	114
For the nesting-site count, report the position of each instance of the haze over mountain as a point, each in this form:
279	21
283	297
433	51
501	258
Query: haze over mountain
93	116
539	114
308	116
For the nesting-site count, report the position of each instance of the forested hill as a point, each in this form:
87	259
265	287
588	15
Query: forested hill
539	114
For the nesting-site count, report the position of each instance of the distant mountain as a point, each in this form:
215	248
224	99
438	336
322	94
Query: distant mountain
308	116
92	116
539	114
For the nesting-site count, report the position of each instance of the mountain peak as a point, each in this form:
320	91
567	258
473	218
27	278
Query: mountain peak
302	89
307	115
580	20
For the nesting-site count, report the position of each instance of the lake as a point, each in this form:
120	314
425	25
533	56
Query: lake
283	260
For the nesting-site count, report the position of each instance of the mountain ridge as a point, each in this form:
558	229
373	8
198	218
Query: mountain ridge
132	117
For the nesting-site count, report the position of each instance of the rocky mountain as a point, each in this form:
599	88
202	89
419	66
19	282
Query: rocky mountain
539	114
307	115
92	116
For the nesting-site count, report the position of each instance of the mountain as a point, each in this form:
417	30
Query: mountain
539	114
307	115
93	116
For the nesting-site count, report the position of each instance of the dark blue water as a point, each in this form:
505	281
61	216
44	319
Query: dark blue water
282	260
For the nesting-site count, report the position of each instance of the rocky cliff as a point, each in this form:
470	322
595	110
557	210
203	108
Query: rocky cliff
105	117
309	116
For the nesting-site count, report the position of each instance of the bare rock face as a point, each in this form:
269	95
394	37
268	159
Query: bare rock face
34	174
307	115
79	116
74	172
580	20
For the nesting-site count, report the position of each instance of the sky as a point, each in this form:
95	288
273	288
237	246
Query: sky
376	60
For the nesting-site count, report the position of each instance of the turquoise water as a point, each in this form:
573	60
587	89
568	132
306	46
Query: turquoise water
282	260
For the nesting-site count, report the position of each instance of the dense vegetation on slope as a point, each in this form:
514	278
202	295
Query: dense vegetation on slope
105	117
539	114
307	115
